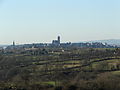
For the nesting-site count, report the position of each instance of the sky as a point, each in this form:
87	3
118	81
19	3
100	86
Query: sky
40	21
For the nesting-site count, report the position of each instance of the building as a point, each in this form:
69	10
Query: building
56	42
13	43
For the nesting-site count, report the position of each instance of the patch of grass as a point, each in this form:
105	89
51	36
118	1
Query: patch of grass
49	83
117	73
73	61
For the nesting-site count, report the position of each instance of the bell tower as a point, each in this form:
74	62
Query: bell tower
13	43
59	39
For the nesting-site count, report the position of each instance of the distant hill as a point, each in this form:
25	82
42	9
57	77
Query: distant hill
108	41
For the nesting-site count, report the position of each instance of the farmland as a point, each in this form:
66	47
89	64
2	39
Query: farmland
61	69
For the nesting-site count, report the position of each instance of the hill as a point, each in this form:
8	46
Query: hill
108	41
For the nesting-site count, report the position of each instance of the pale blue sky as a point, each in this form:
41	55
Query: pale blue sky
31	21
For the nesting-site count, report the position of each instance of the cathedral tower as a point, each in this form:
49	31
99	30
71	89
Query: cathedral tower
59	39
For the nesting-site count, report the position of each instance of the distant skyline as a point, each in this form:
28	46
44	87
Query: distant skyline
40	21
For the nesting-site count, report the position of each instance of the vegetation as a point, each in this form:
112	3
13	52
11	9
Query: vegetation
60	69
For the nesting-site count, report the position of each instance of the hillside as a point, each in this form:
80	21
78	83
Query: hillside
82	68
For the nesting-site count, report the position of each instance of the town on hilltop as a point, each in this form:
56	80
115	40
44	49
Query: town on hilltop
54	44
57	43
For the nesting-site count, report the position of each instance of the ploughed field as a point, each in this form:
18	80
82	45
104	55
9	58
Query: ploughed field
61	69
